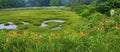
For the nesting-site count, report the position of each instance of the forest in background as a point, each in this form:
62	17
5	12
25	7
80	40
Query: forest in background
24	3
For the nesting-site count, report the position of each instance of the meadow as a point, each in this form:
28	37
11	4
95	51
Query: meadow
81	32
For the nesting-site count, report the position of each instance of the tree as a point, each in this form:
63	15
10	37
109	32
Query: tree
3	3
39	2
54	2
16	3
76	3
11	3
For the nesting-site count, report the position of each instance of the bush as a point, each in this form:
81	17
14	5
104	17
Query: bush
105	6
84	10
11	3
117	11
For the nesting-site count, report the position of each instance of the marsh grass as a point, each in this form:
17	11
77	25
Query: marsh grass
54	24
35	17
94	33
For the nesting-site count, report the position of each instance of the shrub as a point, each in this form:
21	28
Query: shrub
84	10
117	11
105	6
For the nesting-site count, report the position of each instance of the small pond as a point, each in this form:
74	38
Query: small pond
59	27
11	25
43	24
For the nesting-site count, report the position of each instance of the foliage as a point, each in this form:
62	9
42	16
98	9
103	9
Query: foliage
54	2
84	10
100	36
86	31
11	3
94	33
106	5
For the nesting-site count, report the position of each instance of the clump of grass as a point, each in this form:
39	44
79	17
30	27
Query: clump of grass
17	23
25	27
6	24
54	24
36	23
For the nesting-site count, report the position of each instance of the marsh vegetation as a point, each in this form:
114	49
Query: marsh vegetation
77	27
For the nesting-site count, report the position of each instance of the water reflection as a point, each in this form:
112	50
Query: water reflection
24	22
59	27
43	24
10	26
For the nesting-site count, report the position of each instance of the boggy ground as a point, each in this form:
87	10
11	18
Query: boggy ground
96	33
36	17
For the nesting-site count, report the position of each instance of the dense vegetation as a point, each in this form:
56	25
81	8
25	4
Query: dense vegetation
87	28
11	3
106	5
23	3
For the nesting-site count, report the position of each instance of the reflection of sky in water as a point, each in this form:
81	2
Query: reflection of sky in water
53	21
2	26
59	27
25	22
11	25
43	24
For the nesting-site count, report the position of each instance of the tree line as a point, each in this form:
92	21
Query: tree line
11	3
23	3
73	3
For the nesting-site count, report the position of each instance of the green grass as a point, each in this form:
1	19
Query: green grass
94	33
36	17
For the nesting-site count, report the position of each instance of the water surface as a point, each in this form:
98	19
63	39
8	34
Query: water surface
10	26
43	24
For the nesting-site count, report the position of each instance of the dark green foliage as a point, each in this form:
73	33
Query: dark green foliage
49	2
54	2
84	10
11	3
23	3
39	2
105	6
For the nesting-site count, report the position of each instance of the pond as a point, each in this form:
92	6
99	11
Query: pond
11	25
43	24
59	27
